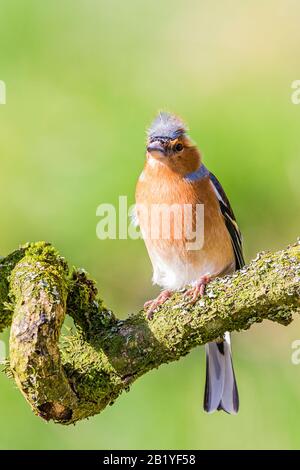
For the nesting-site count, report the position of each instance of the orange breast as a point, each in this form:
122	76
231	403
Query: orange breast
169	249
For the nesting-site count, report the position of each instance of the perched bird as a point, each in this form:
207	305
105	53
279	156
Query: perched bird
174	176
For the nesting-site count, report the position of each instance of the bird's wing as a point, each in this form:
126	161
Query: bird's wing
230	221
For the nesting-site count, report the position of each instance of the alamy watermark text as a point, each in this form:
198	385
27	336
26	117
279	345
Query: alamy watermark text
2	92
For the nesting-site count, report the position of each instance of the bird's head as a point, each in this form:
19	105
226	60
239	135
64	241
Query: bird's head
168	143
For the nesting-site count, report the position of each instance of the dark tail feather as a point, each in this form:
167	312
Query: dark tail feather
220	388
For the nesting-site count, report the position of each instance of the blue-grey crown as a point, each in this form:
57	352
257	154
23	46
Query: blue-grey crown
166	126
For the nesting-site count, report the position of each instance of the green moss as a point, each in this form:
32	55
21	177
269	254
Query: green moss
6	266
85	306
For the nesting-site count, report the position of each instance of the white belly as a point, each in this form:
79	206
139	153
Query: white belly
175	272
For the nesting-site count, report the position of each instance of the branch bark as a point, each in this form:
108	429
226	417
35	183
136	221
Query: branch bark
75	377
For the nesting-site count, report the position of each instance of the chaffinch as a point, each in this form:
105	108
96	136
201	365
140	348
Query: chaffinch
174	176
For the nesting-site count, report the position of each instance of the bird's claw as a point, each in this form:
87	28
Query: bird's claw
198	290
152	305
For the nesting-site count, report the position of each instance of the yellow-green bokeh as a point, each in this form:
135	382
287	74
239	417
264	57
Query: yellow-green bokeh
84	78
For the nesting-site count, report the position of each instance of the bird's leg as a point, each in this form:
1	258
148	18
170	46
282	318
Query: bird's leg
152	305
198	290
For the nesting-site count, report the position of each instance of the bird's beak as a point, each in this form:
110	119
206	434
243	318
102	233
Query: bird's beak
156	147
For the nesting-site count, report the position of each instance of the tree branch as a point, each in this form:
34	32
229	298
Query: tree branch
91	367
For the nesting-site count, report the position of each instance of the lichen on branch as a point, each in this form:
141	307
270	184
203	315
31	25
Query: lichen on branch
77	376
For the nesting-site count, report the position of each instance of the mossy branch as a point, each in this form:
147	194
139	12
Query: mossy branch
79	376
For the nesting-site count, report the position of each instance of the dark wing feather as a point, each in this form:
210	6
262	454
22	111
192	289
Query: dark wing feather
230	221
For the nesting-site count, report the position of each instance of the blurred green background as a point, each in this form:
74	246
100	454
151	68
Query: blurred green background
84	78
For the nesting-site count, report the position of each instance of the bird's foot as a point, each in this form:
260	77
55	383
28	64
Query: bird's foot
198	290
153	304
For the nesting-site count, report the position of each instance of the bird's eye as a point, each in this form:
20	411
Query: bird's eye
178	147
